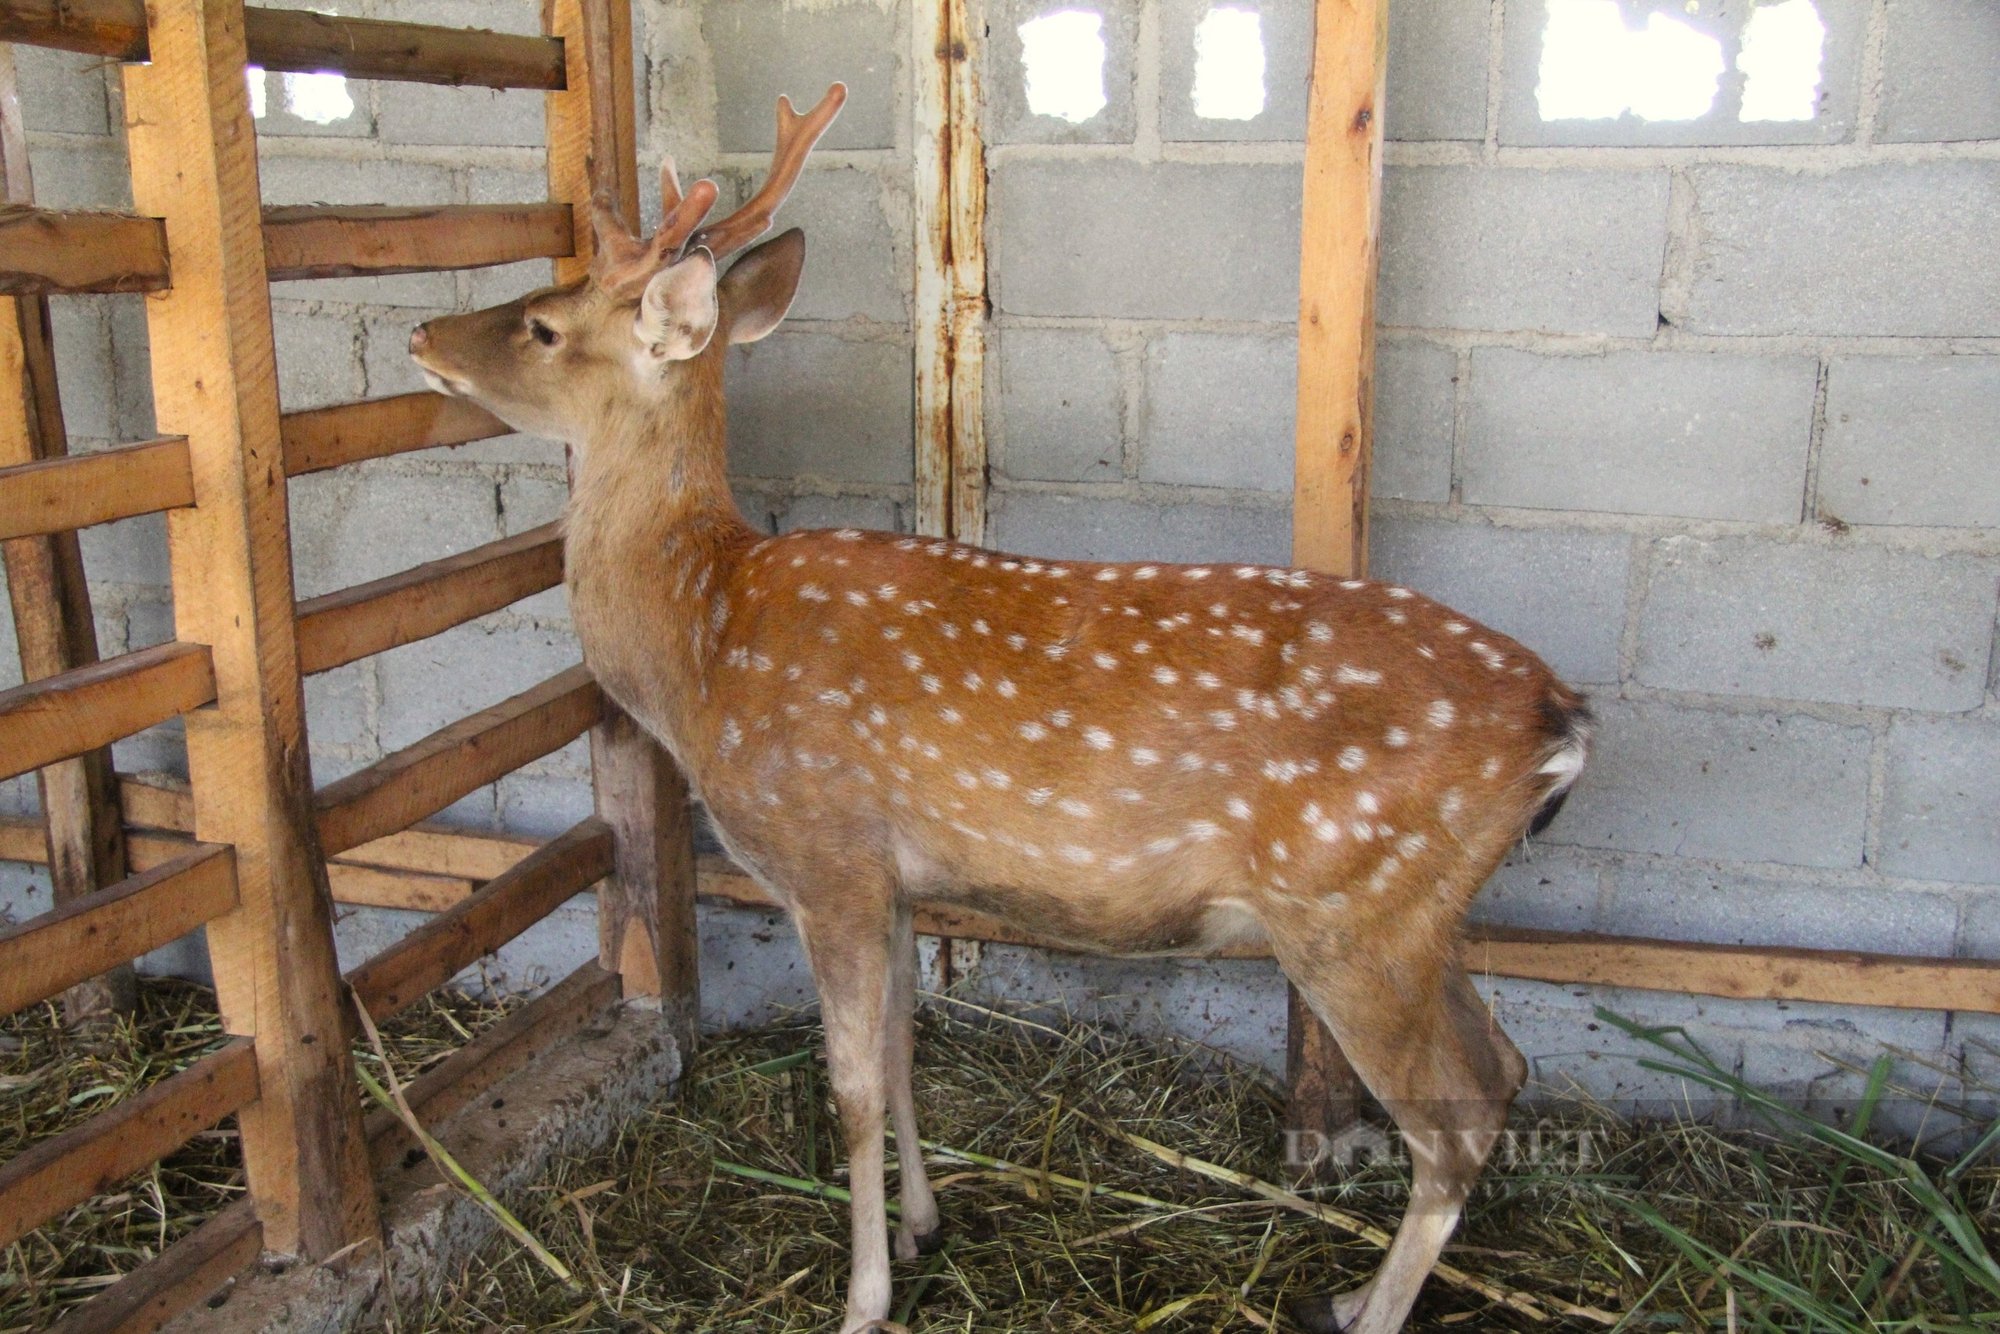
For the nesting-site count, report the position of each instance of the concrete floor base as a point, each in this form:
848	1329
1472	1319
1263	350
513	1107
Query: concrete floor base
568	1103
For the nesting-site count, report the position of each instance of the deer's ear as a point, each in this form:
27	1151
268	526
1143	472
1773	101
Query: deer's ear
677	314
758	289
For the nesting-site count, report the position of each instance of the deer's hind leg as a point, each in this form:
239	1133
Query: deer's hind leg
918	1233
1421	1040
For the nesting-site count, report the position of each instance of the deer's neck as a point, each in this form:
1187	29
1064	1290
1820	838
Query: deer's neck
653	542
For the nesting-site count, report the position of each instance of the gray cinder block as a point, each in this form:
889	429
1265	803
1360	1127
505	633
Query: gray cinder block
1844	624
1690	782
1891	249
1912	441
1709	435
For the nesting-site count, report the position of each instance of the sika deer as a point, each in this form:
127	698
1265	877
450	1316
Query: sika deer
1127	758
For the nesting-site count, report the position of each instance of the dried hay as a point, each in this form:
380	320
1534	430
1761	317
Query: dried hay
52	1079
721	1210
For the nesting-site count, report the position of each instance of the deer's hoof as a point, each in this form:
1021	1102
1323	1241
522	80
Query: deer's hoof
906	1246
1329	1313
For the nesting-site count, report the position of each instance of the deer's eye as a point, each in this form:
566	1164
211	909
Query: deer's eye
543	334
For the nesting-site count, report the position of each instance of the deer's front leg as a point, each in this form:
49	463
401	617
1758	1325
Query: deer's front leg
848	947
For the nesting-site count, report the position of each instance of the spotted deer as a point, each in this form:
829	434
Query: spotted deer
1125	758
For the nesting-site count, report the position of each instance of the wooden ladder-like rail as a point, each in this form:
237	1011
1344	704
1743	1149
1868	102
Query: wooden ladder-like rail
256	874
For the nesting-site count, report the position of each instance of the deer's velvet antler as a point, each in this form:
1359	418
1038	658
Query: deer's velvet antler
624	263
796	136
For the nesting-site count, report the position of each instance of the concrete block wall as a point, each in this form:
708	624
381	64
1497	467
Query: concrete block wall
1704	411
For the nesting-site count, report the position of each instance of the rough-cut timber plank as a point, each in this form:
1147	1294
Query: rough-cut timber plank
85	937
437	850
591	123
54	495
306	43
319	438
1341	226
370	618
193	150
80	710
516	1042
21	840
424	778
645	923
320	241
157	801
69	1168
502	909
173	1281
54	627
1340	229
43	251
378	887
645	913
1744	972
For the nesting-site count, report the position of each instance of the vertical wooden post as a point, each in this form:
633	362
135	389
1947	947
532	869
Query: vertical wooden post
45	581
645	911
950	275
1340	227
194	163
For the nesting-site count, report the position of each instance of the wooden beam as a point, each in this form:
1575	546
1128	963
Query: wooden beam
157	801
55	629
437	850
511	1045
304	42
78	711
21	840
1340	226
44	251
319	438
1340	230
84	937
174	1280
67	1169
646	927
353	623
645	921
322	241
62	493
424	778
1742	972
591	124
502	909
193	150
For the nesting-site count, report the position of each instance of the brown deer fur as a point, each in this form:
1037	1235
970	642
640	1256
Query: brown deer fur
1134	758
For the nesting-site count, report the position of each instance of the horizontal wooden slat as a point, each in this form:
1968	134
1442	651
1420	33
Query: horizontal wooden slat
44	955
513	1044
370	618
423	779
320	438
1748	972
22	840
45	251
69	1168
78	490
174	1280
305	42
436	850
506	906
157	801
77	711
321	241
